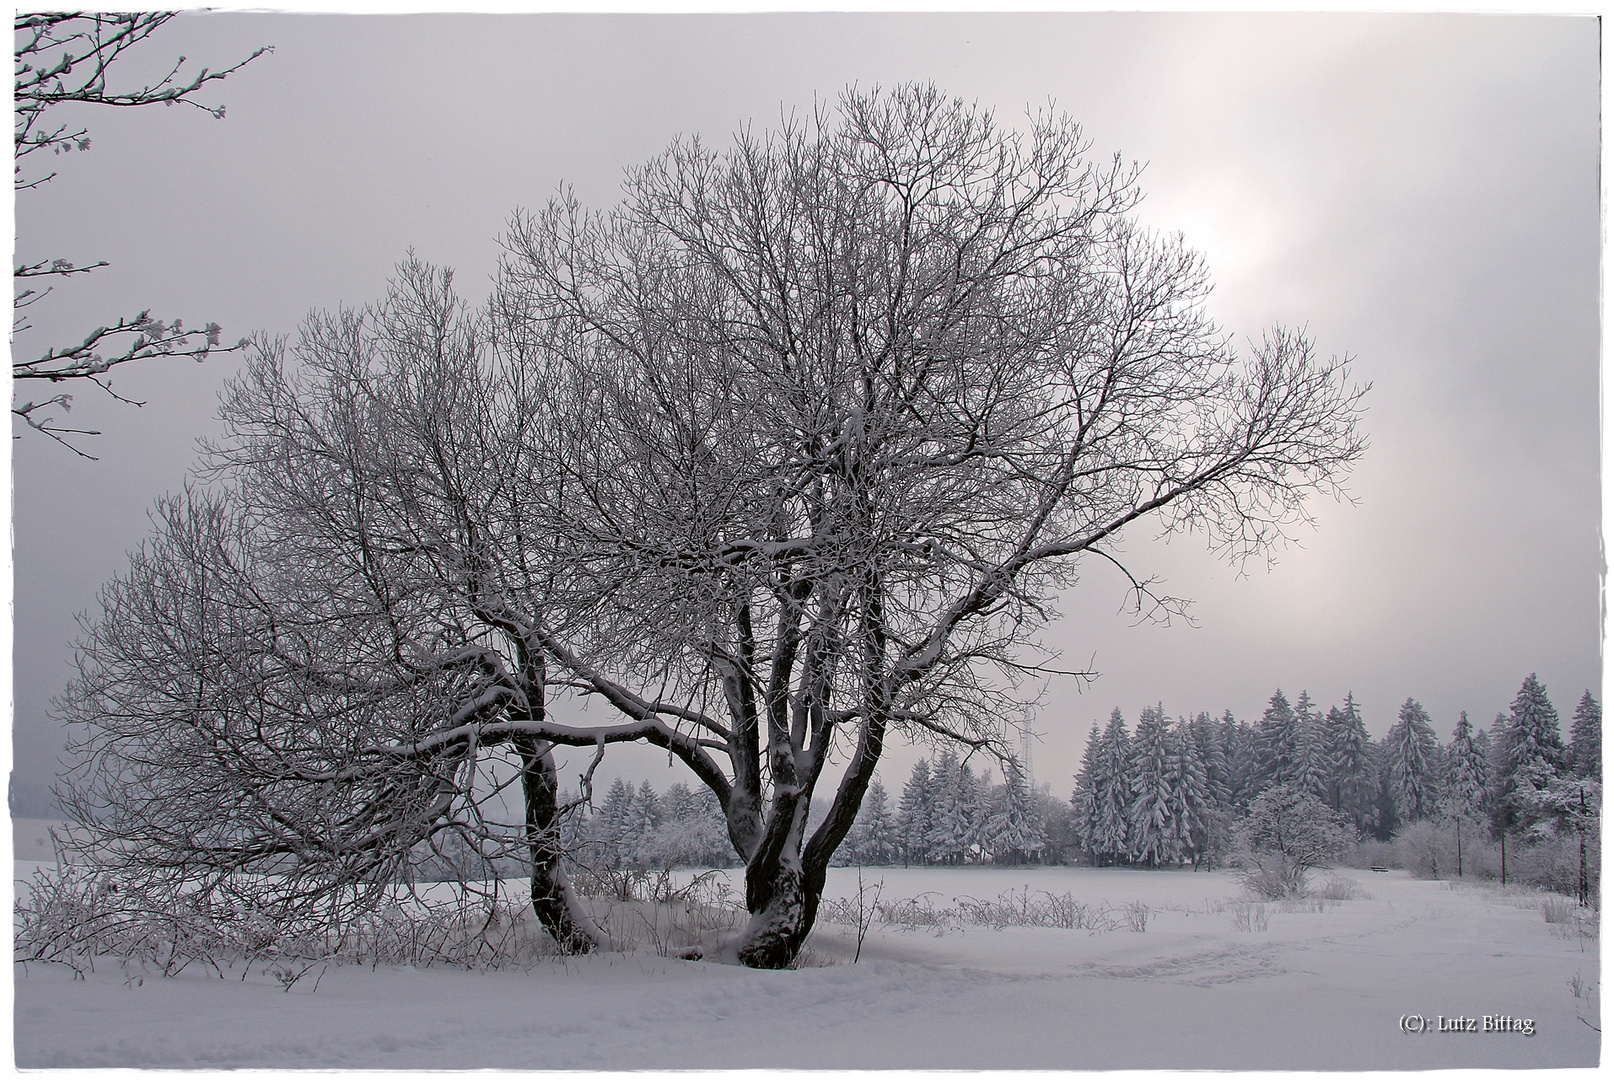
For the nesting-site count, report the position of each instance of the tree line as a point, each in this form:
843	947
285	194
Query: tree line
1173	793
1169	793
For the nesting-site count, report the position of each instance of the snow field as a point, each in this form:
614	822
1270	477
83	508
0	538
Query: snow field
1324	986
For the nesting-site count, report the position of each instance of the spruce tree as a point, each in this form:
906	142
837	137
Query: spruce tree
1213	758
1466	783
1533	735
871	839
1410	746
976	804
1533	745
1110	786
876	811
608	827
1354	778
1311	754
1277	741
1191	824
956	827
916	815
1482	746
1084	798
1333	725
1239	746
1586	739
1501	810
1387	821
1014	832
1150	783
1468	774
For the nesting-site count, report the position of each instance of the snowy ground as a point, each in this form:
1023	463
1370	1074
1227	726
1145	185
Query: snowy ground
1317	989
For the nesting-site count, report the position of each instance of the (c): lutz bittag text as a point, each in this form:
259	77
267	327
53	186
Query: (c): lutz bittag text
1490	1023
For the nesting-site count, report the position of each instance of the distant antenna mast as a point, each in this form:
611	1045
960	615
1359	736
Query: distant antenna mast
1025	748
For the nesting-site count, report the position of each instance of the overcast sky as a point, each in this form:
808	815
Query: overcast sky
1420	191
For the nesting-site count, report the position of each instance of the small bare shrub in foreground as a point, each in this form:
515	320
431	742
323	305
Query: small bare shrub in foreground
1338	888
1249	916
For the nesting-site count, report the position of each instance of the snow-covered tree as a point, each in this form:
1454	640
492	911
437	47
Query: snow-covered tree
1563	804
1586	738
1531	741
1287	834
925	365
1465	785
1355	783
1192	822
1058	822
1413	763
960	812
1013	829
1084	797
1243	764
873	839
1312	764
691	830
916	814
1211	749
82	60
1277	744
1149	780
1111	833
644	818
609	826
1467	774
1533	732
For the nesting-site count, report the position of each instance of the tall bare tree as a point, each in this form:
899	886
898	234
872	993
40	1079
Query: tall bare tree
791	451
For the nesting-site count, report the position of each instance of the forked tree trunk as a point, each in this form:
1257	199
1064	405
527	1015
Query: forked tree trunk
553	900
784	879
776	894
780	925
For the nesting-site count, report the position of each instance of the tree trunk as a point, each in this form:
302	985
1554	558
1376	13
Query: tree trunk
553	899
775	889
1585	890
781	922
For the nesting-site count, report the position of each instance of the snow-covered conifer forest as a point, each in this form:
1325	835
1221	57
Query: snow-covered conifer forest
801	456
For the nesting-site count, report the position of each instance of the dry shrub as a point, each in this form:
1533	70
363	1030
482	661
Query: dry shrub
1015	907
1338	888
75	916
1249	916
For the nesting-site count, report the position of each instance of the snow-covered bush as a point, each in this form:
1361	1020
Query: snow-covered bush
1289	832
1430	849
1553	863
77	916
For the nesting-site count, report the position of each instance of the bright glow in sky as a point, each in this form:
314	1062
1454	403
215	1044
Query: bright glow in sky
1420	191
